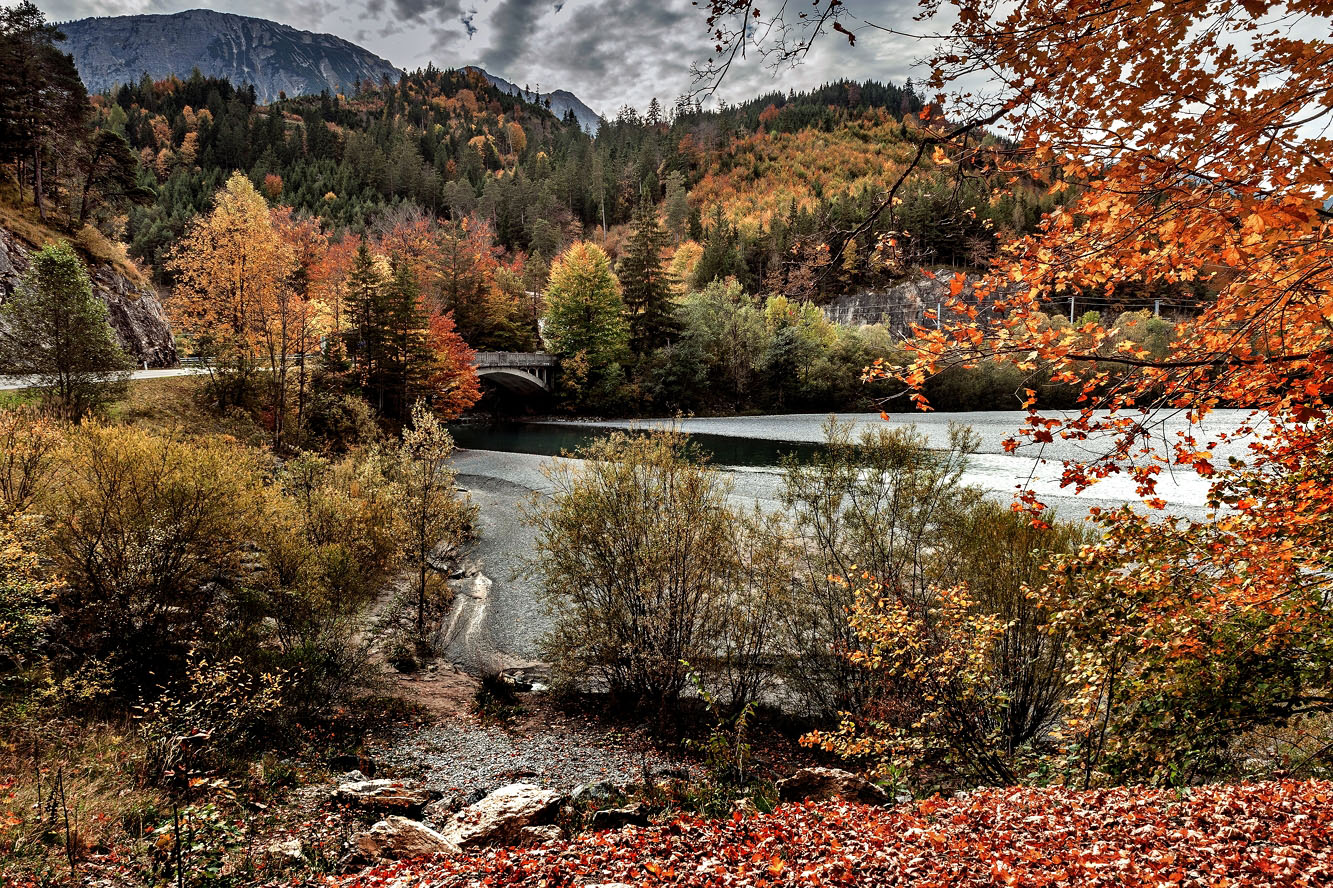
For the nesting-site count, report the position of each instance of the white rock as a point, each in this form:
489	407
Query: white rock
384	795
498	818
397	838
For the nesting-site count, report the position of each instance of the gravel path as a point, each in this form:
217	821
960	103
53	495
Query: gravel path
461	757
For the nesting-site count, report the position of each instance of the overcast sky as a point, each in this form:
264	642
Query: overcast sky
608	52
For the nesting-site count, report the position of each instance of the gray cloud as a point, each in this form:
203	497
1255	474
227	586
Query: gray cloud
608	52
511	26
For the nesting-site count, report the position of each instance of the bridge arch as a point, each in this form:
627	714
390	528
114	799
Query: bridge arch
520	382
523	373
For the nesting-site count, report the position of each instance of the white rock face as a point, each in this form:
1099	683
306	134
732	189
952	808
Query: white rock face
276	58
500	817
397	838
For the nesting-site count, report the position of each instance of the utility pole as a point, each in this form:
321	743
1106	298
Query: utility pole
1071	309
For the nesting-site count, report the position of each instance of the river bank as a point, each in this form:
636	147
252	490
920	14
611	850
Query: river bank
500	619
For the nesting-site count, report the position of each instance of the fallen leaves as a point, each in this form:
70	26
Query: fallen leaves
1250	835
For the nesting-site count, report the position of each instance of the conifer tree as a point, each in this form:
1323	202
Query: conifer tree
677	207
645	283
408	360
366	306
56	330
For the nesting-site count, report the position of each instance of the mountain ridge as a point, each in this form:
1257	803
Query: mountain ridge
562	100
273	57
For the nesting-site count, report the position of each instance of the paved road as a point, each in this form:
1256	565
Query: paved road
11	383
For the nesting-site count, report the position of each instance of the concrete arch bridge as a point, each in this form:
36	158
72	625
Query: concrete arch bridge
523	373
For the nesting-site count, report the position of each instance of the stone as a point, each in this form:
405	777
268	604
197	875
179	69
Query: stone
440	810
384	795
616	818
823	784
398	838
280	855
537	835
353	777
599	791
497	819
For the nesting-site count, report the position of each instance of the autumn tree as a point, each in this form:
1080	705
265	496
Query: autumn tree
56	330
1193	141
585	321
434	515
233	293
451	385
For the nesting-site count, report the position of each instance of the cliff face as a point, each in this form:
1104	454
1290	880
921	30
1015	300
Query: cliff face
274	57
135	312
899	305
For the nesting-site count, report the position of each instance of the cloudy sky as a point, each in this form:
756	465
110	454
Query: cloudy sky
608	52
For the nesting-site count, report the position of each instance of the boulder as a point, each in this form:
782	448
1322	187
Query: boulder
599	791
537	835
615	818
394	796
822	784
397	838
497	819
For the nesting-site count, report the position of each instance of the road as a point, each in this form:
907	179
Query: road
13	383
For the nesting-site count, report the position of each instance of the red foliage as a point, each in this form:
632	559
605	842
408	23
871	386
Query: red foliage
1268	834
453	380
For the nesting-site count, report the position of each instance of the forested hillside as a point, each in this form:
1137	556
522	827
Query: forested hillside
750	181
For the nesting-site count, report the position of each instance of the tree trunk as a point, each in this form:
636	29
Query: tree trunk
37	183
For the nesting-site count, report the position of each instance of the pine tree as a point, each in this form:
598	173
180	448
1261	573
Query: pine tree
407	363
645	283
367	310
677	207
56	330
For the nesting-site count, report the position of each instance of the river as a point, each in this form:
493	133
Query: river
501	620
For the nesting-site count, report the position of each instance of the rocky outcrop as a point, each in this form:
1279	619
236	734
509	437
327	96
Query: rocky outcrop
384	795
500	818
823	784
397	838
899	305
134	310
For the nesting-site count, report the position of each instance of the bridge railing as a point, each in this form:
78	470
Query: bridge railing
514	359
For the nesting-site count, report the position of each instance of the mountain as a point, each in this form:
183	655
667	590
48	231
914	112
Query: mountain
276	58
562	101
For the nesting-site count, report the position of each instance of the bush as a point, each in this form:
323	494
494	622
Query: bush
149	532
949	669
336	423
645	567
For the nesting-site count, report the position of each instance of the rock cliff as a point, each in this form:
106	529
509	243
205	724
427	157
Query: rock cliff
134	310
109	51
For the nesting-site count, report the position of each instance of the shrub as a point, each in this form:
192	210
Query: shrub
644	568
149	532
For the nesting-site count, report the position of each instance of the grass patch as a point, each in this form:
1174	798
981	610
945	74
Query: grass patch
180	404
20	218
12	398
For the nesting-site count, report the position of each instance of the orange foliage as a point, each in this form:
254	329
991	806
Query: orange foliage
452	384
1267	834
